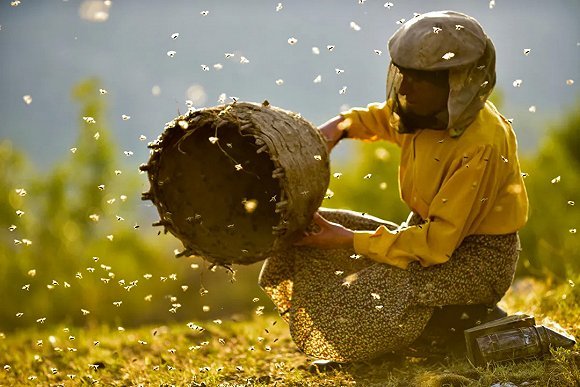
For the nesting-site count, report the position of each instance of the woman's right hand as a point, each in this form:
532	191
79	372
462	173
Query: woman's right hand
328	235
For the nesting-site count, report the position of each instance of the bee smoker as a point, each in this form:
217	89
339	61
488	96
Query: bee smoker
511	338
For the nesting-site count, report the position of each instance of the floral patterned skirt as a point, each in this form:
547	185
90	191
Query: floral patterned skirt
345	307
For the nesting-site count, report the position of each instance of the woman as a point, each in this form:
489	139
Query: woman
460	176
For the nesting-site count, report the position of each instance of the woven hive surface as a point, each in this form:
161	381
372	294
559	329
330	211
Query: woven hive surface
235	183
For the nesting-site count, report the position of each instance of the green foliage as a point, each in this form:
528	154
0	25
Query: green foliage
78	248
550	242
568	138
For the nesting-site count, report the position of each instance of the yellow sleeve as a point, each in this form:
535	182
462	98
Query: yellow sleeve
464	199
370	123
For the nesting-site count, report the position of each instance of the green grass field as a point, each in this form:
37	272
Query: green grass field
258	351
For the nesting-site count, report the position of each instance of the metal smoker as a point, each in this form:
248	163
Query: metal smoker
512	338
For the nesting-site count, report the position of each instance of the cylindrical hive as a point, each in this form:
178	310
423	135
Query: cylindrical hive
237	182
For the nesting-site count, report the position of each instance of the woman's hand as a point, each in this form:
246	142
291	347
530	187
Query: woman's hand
328	236
333	131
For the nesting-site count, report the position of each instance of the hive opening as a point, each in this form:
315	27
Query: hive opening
223	195
237	183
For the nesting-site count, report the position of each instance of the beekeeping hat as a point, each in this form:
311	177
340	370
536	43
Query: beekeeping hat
452	41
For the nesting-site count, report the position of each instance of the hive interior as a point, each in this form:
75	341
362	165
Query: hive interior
223	194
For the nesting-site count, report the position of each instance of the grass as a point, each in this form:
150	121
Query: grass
259	351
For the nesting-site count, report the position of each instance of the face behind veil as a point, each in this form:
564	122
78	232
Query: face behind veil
444	40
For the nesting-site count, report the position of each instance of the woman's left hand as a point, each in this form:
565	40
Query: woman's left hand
329	235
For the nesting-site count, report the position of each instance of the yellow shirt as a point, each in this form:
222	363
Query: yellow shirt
471	184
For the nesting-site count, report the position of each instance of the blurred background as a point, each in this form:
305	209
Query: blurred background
85	85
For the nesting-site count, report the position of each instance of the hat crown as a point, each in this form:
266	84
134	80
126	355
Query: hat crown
438	40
